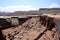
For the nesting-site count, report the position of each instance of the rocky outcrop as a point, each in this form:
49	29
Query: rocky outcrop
35	28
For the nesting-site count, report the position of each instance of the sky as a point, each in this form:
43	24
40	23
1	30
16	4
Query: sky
26	5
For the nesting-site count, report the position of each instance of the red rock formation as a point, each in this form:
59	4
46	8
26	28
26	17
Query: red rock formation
30	30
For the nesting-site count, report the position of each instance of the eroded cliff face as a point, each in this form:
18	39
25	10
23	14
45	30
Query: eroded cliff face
36	28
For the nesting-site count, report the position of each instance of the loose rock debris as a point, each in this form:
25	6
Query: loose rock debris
36	28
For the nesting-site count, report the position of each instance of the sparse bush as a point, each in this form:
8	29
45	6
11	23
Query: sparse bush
54	14
19	38
27	38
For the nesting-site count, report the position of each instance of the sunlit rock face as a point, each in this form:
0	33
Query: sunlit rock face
35	28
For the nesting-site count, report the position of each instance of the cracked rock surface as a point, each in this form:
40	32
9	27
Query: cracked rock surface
30	30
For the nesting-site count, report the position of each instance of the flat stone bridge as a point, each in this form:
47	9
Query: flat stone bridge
22	16
27	16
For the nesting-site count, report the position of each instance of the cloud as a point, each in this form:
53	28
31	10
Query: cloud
17	8
54	5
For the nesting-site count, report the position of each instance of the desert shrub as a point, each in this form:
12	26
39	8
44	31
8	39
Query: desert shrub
54	14
27	38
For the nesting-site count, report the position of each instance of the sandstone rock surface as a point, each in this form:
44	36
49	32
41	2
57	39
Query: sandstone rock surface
30	30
